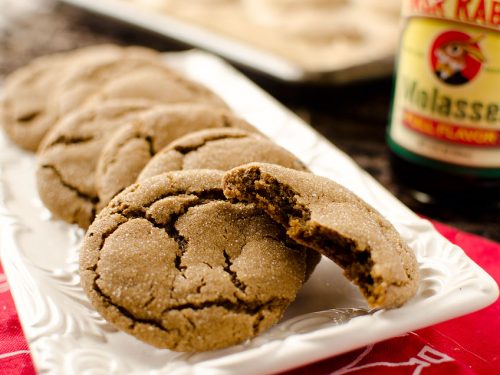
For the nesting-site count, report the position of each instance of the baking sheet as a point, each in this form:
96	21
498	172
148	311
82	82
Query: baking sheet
344	62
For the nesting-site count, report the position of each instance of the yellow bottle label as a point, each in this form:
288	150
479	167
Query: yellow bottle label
446	104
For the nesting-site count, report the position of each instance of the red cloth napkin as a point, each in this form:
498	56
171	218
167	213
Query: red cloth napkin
466	345
14	352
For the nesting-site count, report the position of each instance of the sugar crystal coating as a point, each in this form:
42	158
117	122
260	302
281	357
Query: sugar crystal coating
174	263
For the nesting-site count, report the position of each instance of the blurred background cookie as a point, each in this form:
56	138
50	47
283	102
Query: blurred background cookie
37	95
316	37
25	111
128	77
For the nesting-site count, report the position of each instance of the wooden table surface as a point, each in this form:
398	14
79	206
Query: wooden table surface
353	117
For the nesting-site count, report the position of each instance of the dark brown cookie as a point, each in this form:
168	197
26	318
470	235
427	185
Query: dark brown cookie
324	216
133	146
172	262
220	149
26	115
68	157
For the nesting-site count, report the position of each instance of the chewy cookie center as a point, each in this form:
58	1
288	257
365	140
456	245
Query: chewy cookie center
280	202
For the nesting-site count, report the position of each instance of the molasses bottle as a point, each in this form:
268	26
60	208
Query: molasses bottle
444	131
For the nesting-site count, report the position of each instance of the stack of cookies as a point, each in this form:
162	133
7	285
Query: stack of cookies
200	230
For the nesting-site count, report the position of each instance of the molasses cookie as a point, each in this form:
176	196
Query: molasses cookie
322	215
220	149
172	262
131	147
68	157
130	77
25	111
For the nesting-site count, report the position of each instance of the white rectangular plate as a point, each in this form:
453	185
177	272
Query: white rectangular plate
375	59
40	257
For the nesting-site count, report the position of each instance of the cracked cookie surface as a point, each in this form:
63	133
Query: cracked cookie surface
172	262
220	149
322	215
26	113
68	157
133	146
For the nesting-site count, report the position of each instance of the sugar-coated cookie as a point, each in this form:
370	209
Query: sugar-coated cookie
26	114
131	77
174	263
220	149
132	147
68	157
324	216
